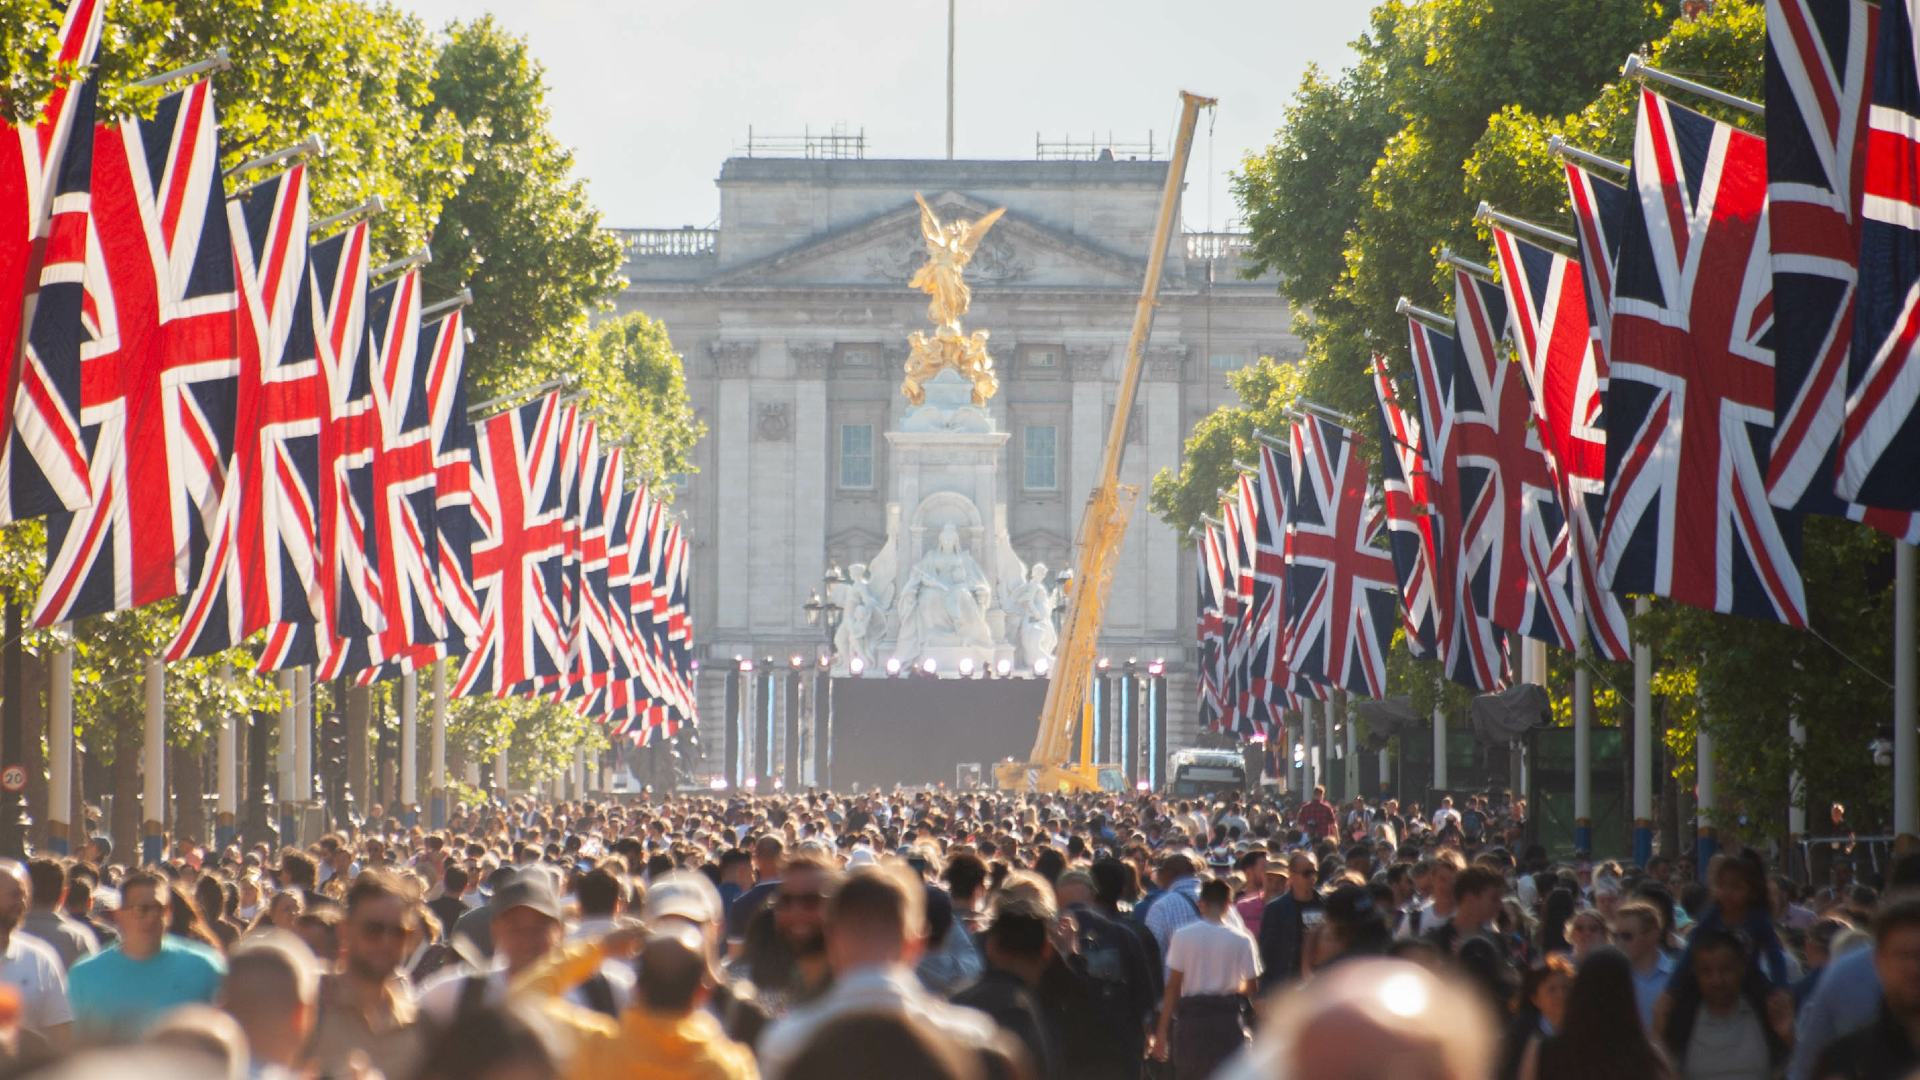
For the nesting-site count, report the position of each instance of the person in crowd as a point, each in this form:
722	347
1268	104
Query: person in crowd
1720	1018
1317	816
1212	971
451	903
1018	948
1638	934
365	1006
1600	1036
1288	924
785	954
1888	1048
29	964
1848	995
1477	892
1356	926
272	991
769	862
1586	932
72	939
1261	888
874	929
489	1043
1121	983
120	990
1179	902
887	1043
1437	907
1740	903
81	886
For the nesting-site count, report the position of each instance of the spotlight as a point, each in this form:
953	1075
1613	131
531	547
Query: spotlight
893	665
746	665
1004	666
1103	663
1042	666
752	782
1141	786
856	665
930	666
719	783
795	660
695	665
966	665
1156	667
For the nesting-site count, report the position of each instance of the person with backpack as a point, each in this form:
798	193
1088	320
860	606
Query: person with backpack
1119	981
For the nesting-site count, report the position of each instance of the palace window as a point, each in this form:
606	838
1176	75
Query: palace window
1227	361
1043	358
1039	456
856	456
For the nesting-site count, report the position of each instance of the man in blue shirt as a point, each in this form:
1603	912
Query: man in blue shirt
120	990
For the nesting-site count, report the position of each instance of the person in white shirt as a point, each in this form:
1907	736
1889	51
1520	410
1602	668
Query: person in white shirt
1446	814
30	965
1212	968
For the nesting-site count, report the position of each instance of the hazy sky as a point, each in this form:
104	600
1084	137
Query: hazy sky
654	94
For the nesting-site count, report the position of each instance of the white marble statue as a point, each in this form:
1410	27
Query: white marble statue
863	617
944	602
1031	603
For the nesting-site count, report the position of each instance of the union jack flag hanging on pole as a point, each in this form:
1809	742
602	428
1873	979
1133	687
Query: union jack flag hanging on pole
1404	501
1340	587
1472	650
517	551
261	565
1880	438
1600	209
1241	512
1266	693
1567	379
337	269
157	385
1690	378
1210	574
1514	550
45	175
1819	63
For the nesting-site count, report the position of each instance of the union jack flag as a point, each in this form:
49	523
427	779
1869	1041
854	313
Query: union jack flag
517	551
260	567
1340	588
157	382
1269	682
1690	379
1241	515
681	708
1210	566
337	269
1567	377
1513	543
1819	63
45	175
1404	501
1472	650
593	651
1880	437
1600	209
409	469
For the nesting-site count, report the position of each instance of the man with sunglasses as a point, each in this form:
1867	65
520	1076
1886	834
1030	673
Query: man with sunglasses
365	1004
118	991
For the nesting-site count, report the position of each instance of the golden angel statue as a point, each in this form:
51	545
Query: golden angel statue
950	246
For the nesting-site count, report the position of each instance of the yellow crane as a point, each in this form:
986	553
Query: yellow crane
1053	766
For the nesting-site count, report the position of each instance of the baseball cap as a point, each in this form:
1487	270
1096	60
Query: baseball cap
683	894
532	889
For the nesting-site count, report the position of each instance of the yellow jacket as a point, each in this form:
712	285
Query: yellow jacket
644	1044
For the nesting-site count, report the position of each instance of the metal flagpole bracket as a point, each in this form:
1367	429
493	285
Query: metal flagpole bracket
1448	258
371	208
1433	318
219	61
406	262
310	147
1241	466
1213	521
1325	412
452	303
520	396
1277	444
1560	148
1488	215
1637	67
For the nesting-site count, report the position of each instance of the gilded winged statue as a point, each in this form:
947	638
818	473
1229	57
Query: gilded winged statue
950	247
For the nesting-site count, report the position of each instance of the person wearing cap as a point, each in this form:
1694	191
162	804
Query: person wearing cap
527	925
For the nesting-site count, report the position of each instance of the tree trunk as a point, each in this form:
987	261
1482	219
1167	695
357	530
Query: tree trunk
359	771
189	789
125	826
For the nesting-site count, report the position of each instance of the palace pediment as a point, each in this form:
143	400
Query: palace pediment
884	250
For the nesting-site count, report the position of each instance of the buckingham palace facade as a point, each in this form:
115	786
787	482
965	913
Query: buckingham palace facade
793	314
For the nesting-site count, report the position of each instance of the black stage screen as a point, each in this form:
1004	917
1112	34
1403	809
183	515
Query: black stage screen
914	731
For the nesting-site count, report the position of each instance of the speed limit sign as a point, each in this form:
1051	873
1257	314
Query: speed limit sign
14	778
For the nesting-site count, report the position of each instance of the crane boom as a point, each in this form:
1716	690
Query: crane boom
1103	525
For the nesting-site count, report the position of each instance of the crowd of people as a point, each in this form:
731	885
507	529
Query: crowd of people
970	934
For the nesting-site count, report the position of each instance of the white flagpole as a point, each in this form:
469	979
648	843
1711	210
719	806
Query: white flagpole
437	752
1439	749
60	835
303	734
409	747
289	755
228	767
153	798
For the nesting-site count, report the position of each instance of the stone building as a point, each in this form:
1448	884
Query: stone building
793	315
